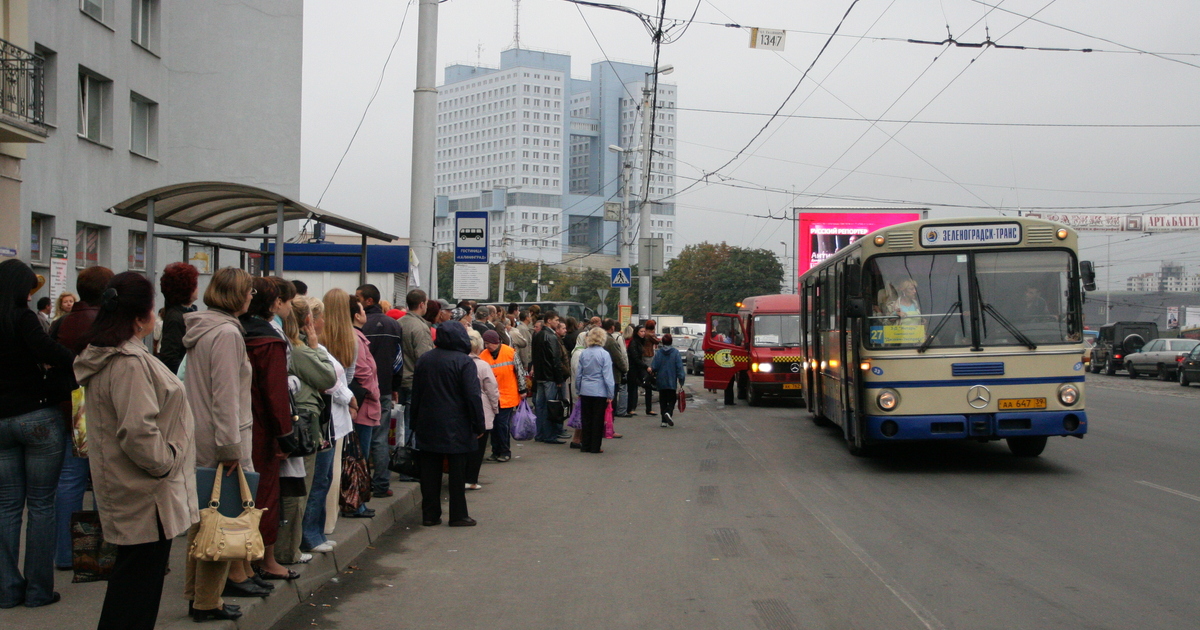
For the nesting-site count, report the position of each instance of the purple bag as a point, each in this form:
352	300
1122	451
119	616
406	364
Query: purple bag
575	420
524	422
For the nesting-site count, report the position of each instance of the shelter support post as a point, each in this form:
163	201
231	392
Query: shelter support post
279	239
362	263
151	246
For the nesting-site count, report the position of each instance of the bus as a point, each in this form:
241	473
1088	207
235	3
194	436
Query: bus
957	329
757	349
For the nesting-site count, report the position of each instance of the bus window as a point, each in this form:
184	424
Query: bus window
908	296
726	329
1028	291
776	330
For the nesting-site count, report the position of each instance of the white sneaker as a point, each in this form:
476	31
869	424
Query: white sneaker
324	547
305	557
473	486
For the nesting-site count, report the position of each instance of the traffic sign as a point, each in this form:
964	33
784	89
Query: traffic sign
621	277
471	237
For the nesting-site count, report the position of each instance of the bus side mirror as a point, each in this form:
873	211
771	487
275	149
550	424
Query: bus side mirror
1087	273
856	308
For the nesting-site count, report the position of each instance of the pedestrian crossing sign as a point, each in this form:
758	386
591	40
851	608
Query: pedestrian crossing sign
620	277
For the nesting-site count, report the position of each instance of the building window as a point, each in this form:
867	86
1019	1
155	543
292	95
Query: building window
41	229
145	23
137	251
50	84
143	126
95	105
94	8
87	245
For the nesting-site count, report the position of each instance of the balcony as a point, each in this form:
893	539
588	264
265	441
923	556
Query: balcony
22	95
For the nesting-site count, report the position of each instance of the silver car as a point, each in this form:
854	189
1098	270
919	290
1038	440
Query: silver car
1160	357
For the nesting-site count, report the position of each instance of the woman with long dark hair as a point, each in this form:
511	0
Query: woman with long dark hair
32	432
142	451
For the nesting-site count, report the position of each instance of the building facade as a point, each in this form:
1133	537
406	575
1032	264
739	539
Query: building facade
529	144
146	93
22	119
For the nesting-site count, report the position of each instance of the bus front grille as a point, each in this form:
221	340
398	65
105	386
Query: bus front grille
978	369
946	427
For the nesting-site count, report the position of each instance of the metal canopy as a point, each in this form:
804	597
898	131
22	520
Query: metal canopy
227	208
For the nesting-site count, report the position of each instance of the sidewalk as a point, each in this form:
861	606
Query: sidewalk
81	603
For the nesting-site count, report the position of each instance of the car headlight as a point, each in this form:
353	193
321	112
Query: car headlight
765	367
888	399
1068	394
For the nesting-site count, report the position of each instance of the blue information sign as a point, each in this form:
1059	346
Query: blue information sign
621	278
471	237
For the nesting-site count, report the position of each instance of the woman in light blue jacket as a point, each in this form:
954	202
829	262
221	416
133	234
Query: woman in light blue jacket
669	374
595	386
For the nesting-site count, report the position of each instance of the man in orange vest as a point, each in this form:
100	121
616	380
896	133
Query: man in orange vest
510	377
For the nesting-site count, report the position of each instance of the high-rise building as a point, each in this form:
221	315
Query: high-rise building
529	144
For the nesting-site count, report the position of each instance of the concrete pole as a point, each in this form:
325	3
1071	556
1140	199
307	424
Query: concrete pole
622	236
420	221
644	288
279	239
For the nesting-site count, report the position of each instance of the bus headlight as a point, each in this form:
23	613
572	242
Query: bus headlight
765	367
1068	394
888	399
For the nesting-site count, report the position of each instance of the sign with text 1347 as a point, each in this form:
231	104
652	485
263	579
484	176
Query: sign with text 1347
767	38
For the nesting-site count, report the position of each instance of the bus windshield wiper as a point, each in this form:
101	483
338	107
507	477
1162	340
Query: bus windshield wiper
941	323
991	310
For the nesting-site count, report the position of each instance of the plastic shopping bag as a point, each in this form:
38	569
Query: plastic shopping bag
608	423
524	422
575	421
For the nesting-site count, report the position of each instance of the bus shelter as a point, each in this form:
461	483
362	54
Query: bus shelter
206	210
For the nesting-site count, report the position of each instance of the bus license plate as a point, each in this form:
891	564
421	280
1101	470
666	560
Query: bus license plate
797	386
1022	403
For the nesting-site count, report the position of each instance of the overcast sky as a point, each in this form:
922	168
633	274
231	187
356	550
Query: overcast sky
868	72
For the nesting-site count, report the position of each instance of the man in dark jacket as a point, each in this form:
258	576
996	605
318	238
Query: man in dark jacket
548	375
384	334
447	417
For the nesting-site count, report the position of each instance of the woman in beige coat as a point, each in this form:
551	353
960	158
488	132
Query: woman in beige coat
141	450
217	379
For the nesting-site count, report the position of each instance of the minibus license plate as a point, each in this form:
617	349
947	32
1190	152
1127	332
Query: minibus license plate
1022	403
797	386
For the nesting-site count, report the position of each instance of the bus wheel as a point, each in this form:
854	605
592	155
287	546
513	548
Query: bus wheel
864	450
756	397
820	421
1027	446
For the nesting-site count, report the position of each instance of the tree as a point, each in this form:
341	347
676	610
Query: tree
711	277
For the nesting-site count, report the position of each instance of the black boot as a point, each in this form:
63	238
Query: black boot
225	612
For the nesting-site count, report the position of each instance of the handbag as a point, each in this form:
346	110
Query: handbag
403	460
356	480
221	538
682	401
306	429
91	558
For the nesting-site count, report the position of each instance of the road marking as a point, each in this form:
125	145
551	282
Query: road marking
1171	490
922	614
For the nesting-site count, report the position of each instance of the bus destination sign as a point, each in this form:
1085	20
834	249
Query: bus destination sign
965	235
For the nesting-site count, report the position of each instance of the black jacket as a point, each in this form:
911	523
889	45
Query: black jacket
384	334
636	353
547	357
170	348
447	408
24	385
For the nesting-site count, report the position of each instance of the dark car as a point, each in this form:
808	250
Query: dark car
1160	357
1189	368
1119	340
693	356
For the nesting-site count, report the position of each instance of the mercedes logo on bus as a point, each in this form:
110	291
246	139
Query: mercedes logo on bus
979	397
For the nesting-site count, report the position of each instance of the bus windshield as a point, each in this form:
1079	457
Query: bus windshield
926	300
776	331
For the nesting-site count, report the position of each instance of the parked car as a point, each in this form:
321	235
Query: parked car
1119	340
693	356
1189	368
1160	357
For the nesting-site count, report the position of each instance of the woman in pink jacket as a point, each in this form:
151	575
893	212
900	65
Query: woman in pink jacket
366	391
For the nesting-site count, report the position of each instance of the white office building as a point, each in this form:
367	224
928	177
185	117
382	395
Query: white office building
529	144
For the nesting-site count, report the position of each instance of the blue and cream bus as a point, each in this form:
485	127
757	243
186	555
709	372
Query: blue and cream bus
957	329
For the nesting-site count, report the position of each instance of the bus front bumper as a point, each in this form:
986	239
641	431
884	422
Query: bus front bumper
976	426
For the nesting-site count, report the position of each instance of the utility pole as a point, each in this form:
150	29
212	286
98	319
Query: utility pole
644	289
623	222
420	221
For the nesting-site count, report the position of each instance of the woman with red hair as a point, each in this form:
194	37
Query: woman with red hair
178	285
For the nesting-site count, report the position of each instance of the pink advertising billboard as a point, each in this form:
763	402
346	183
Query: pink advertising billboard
821	234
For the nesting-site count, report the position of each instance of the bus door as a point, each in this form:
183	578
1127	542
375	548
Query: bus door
832	365
812	345
724	350
849	299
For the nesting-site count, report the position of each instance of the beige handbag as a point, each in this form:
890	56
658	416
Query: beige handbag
222	538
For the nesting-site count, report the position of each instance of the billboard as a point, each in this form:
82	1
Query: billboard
821	234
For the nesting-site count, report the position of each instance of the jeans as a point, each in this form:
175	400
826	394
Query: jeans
31	455
666	402
621	400
546	430
502	432
72	484
382	477
314	512
364	442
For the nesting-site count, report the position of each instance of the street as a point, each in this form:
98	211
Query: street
755	518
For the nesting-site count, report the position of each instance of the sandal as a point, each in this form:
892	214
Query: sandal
289	576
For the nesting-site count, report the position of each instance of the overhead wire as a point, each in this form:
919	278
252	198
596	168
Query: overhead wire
952	122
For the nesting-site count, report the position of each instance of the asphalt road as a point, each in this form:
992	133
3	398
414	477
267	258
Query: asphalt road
755	518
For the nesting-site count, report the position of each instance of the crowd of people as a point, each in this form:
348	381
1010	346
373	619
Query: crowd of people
164	393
